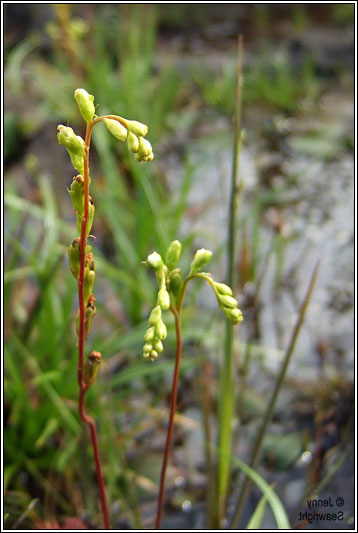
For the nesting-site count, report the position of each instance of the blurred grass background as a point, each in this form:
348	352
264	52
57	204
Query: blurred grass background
173	68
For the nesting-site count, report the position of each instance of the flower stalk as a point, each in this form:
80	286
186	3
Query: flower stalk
81	260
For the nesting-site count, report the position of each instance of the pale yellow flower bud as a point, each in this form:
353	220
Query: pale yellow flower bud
163	299
161	329
136	127
234	314
227	301
133	142
116	129
201	257
155	261
155	315
145	148
222	288
172	255
85	104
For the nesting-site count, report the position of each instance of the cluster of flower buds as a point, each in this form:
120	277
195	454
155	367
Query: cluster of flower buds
157	330
223	292
155	334
133	132
227	302
170	284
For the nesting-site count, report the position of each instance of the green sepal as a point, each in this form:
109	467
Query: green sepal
91	210
175	282
76	192
91	367
74	257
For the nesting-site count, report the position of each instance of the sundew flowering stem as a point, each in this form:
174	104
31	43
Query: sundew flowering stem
171	294
81	259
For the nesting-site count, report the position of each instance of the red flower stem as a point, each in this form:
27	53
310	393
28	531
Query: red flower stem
81	337
173	403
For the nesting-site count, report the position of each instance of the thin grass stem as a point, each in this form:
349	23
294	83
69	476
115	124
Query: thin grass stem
255	456
226	384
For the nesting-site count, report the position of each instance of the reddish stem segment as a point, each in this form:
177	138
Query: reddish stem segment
81	337
173	403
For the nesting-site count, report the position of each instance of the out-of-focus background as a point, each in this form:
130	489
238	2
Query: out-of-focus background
174	68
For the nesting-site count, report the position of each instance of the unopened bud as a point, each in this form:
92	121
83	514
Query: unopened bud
136	127
91	367
172	255
74	257
76	193
155	315
201	257
145	148
175	282
158	346
222	288
149	334
78	161
91	210
89	277
227	301
116	129
67	137
155	261
161	329
85	104
147	348
234	314
90	261
163	299
89	314
149	157
133	142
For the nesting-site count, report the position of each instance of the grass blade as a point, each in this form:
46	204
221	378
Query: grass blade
271	496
